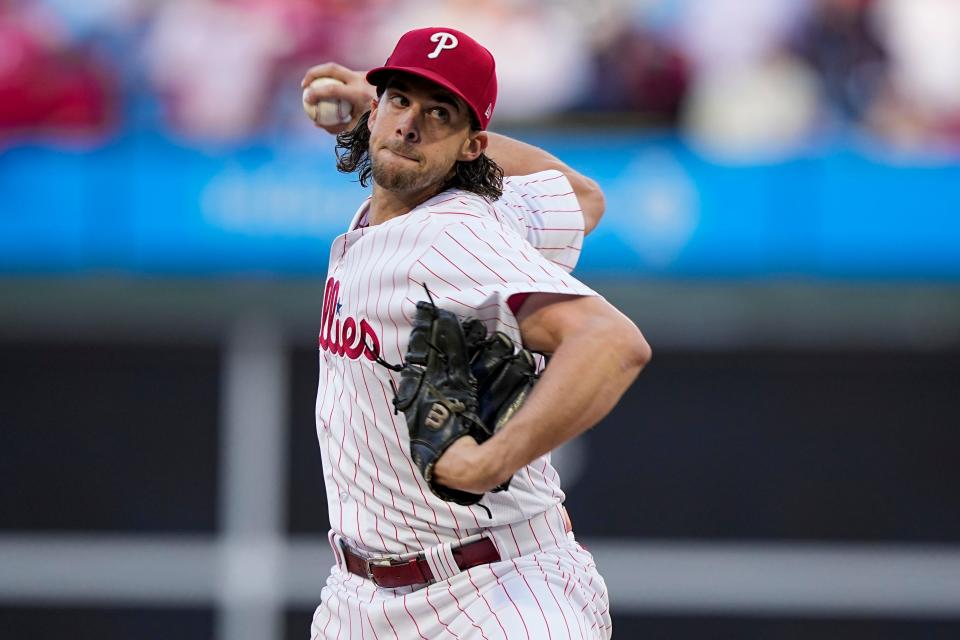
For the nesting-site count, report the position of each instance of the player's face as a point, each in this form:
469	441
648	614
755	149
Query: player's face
418	131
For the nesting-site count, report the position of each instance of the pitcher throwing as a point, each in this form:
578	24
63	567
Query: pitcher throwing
444	238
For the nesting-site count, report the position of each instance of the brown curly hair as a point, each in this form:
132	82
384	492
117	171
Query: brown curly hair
481	176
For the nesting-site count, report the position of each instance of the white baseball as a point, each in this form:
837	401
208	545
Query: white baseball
327	113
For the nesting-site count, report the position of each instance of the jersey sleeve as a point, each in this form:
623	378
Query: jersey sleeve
475	267
543	208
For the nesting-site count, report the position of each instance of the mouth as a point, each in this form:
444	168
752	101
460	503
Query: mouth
405	156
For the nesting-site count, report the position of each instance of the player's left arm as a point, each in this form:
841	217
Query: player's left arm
597	353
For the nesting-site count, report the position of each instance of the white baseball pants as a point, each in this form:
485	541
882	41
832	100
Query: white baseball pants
545	587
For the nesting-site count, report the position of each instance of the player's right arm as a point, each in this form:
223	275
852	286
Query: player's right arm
516	158
355	89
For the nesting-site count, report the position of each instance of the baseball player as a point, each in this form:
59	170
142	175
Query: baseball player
443	222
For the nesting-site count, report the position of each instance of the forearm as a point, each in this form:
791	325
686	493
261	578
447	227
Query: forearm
597	354
518	158
585	379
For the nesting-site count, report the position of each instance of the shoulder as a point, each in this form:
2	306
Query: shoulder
456	206
551	181
531	198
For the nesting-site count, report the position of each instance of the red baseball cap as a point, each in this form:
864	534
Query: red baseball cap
450	58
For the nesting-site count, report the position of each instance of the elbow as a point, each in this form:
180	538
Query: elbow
625	340
592	202
638	351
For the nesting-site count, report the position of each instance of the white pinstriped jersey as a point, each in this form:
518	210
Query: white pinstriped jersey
473	256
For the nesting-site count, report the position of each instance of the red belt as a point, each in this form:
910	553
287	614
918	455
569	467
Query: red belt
390	572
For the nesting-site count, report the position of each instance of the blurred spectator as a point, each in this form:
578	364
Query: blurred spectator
754	112
723	34
635	69
839	40
750	98
922	103
211	61
218	63
49	85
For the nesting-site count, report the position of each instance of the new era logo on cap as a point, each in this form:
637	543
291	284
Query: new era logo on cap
450	58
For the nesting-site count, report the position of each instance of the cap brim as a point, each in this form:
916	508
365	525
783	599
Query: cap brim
379	76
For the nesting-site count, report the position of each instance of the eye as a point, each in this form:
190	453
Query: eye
440	113
398	100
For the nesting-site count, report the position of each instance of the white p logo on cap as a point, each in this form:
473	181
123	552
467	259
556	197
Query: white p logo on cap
444	40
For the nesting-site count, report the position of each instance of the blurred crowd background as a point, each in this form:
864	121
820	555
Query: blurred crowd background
739	75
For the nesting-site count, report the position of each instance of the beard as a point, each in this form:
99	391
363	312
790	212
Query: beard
401	179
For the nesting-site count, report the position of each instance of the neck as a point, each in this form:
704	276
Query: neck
386	205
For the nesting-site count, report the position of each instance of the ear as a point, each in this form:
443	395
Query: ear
373	114
475	144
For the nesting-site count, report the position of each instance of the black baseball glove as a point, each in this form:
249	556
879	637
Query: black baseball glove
454	382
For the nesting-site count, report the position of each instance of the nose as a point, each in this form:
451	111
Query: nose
408	127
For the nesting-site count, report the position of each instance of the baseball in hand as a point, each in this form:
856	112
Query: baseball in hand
327	113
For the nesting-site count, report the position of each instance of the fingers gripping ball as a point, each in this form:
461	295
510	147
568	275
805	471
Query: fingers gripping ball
327	113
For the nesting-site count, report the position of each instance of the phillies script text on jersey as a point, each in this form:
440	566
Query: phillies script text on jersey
347	338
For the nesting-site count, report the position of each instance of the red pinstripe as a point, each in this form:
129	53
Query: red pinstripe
438	277
484	598
394	629
556	601
323	606
464	612
454	213
535	537
540	180
477	258
492	248
419	633
510	598
513	534
453	264
339	623
539	248
551	195
443	624
450	199
537	600
448	564
318	410
366	610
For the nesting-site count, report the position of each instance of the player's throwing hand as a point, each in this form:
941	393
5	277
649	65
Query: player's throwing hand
354	90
